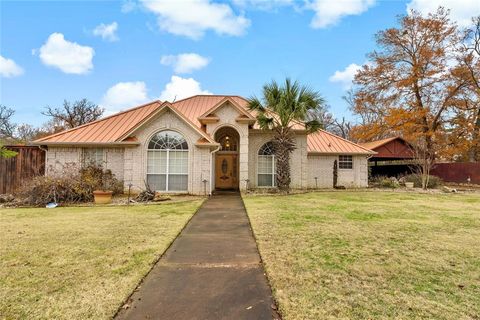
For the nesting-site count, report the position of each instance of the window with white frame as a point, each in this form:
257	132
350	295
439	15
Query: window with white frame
345	162
267	168
93	156
167	162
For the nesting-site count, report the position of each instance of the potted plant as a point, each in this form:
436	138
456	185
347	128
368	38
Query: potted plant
104	195
409	185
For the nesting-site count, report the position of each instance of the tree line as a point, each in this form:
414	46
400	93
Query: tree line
68	115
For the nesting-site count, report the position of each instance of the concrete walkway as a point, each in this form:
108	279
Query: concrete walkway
211	271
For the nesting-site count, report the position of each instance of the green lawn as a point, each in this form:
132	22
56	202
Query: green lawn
80	262
371	255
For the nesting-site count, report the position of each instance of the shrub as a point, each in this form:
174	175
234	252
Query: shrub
433	181
385	182
70	185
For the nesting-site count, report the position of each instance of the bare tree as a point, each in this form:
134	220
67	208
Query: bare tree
341	128
423	160
7	127
322	115
26	133
72	115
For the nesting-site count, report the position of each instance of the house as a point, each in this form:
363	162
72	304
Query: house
200	144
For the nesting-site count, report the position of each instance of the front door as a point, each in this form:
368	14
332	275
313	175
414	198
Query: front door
226	175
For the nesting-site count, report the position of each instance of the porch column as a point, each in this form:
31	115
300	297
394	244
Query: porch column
243	170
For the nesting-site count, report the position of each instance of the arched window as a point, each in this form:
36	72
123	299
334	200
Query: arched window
267	168
167	162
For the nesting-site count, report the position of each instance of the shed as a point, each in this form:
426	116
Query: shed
393	156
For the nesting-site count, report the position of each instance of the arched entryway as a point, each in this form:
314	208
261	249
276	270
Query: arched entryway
226	159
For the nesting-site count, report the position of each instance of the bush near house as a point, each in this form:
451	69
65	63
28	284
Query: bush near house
384	182
433	181
70	185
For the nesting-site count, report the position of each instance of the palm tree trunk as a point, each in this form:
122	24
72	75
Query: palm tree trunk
284	144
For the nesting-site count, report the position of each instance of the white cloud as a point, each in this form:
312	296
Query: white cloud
193	18
124	95
70	57
106	31
185	62
8	68
328	12
263	4
128	6
462	11
179	88
346	76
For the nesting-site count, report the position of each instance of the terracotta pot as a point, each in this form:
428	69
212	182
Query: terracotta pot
102	197
409	185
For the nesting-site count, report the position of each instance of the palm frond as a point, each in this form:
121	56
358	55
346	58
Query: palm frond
255	104
265	122
313	126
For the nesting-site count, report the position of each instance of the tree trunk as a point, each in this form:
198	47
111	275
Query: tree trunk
284	145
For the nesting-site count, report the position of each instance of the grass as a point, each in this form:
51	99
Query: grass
371	255
80	262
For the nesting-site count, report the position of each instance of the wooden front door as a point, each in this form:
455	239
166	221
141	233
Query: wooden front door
226	171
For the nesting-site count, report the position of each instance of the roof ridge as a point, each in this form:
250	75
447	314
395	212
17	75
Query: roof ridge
98	120
209	95
348	141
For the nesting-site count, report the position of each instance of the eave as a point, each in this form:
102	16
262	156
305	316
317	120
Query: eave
242	119
87	144
209	119
319	153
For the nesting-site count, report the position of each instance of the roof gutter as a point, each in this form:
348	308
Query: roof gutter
319	153
80	144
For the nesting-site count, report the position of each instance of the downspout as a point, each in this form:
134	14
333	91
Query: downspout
211	167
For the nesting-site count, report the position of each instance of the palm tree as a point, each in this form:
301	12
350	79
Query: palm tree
280	108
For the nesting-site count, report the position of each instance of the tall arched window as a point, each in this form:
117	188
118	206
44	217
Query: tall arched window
167	162
267	168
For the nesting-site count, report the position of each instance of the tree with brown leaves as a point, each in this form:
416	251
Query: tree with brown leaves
464	126
410	86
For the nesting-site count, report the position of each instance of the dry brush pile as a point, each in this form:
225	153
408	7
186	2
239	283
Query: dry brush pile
69	185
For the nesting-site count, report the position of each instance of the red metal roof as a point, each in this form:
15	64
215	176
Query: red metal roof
390	148
104	130
111	129
326	142
195	106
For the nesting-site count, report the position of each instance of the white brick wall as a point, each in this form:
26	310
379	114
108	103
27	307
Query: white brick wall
298	160
57	157
321	166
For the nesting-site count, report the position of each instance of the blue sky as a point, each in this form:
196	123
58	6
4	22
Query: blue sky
119	54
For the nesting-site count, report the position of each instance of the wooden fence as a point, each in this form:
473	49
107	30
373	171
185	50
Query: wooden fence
29	162
458	172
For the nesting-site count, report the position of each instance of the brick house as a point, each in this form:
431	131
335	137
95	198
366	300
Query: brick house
202	142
